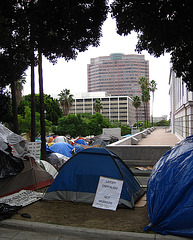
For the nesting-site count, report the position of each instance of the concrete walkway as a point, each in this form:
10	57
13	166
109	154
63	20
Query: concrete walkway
159	137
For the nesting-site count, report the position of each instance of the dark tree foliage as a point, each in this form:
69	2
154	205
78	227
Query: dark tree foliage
14	57
13	51
71	125
5	106
62	28
59	28
162	26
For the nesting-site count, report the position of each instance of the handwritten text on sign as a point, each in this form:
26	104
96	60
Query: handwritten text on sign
108	193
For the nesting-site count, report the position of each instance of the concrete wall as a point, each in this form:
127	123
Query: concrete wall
134	139
138	155
139	152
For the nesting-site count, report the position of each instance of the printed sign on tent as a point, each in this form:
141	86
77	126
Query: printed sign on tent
108	193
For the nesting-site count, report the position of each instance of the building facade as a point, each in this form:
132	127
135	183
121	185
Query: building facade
181	107
116	108
118	75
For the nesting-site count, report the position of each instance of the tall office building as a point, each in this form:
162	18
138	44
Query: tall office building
118	75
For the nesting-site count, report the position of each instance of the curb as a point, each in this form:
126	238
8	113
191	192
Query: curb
73	231
85	233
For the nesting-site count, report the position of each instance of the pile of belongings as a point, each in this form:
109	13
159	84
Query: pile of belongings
19	171
103	139
18	168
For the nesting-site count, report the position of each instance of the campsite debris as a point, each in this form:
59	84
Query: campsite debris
22	198
144	168
142	201
7	211
25	215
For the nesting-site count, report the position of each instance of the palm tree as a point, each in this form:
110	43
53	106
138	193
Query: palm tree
19	87
16	92
98	106
145	97
66	101
136	103
153	87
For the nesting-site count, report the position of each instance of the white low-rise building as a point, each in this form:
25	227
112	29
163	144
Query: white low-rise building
116	108
181	107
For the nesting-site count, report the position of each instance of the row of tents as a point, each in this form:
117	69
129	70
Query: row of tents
60	149
77	179
169	190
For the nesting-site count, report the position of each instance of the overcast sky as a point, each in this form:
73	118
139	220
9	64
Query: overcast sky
73	74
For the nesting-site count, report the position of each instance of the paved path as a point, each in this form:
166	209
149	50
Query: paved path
159	137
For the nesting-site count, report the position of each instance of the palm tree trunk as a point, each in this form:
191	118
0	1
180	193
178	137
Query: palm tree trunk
152	108
14	107
42	119
144	115
137	117
32	99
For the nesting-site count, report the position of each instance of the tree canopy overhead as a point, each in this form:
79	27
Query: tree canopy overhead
59	28
162	26
62	28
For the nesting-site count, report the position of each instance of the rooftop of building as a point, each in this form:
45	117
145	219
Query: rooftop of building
84	95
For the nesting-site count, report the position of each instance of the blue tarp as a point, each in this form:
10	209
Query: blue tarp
78	179
170	192
62	148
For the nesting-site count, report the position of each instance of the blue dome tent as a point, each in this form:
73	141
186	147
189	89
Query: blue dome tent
170	192
81	141
78	179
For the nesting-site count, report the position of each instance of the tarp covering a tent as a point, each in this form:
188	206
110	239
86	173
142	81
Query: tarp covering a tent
99	142
78	179
19	144
105	137
56	159
60	139
62	148
170	192
9	165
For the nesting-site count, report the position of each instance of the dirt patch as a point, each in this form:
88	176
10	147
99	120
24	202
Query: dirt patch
84	215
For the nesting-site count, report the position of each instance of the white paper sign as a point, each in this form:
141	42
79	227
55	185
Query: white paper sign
108	193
